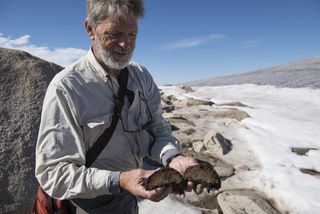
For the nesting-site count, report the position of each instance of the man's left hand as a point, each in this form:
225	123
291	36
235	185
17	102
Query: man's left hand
181	163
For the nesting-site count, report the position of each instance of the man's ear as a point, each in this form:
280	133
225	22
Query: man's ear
89	29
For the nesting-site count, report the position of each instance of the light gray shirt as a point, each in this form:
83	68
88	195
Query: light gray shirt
77	108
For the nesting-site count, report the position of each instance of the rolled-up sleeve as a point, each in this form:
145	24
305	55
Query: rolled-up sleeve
60	152
165	145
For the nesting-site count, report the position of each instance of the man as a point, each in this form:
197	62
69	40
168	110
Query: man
78	107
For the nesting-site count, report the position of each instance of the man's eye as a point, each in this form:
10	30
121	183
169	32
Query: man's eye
114	34
132	34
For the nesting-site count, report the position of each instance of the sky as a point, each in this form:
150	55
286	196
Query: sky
179	40
280	119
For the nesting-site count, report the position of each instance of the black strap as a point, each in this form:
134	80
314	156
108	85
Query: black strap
103	140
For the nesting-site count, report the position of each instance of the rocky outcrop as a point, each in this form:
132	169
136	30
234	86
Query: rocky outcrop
200	129
23	82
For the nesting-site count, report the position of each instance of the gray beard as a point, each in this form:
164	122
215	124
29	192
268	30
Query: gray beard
108	60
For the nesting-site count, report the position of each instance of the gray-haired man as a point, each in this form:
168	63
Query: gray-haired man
78	107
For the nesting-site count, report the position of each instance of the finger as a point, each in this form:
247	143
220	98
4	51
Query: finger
189	186
161	193
182	196
165	193
147	173
199	189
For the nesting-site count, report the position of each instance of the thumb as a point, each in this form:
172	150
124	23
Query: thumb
147	173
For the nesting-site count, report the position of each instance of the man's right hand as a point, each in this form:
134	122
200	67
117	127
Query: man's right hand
132	181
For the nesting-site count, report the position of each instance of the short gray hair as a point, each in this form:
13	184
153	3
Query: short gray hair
99	10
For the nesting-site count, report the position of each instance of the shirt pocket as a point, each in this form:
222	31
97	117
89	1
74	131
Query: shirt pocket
95	126
136	117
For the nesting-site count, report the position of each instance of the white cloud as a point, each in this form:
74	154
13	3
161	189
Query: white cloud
60	56
251	43
192	42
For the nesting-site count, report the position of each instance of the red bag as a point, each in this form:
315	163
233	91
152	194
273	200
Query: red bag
44	204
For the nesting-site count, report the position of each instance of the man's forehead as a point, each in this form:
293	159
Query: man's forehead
120	22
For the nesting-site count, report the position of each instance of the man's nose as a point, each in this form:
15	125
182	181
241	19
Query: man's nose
125	42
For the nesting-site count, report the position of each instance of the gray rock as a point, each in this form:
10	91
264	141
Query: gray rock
205	201
226	113
167	107
179	120
169	99
224	171
216	144
184	89
244	201
235	103
191	102
301	151
198	146
189	131
23	82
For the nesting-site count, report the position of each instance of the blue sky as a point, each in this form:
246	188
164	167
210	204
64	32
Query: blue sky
179	40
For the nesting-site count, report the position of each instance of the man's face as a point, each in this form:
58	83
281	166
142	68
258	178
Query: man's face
114	42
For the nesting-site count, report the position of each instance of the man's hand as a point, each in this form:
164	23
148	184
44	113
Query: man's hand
133	180
181	163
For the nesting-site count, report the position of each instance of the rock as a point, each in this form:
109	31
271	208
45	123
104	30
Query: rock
226	113
310	172
23	82
205	200
184	89
187	145
188	116
215	143
189	131
224	171
167	115
166	107
191	102
244	201
236	103
301	151
169	99
174	128
241	169
185	139
174	120
198	146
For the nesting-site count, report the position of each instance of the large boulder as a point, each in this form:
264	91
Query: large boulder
23	82
244	201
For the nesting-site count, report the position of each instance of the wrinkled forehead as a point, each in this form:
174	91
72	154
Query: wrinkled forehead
130	24
123	20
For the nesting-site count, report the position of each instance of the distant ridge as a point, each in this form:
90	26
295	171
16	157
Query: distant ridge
302	73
